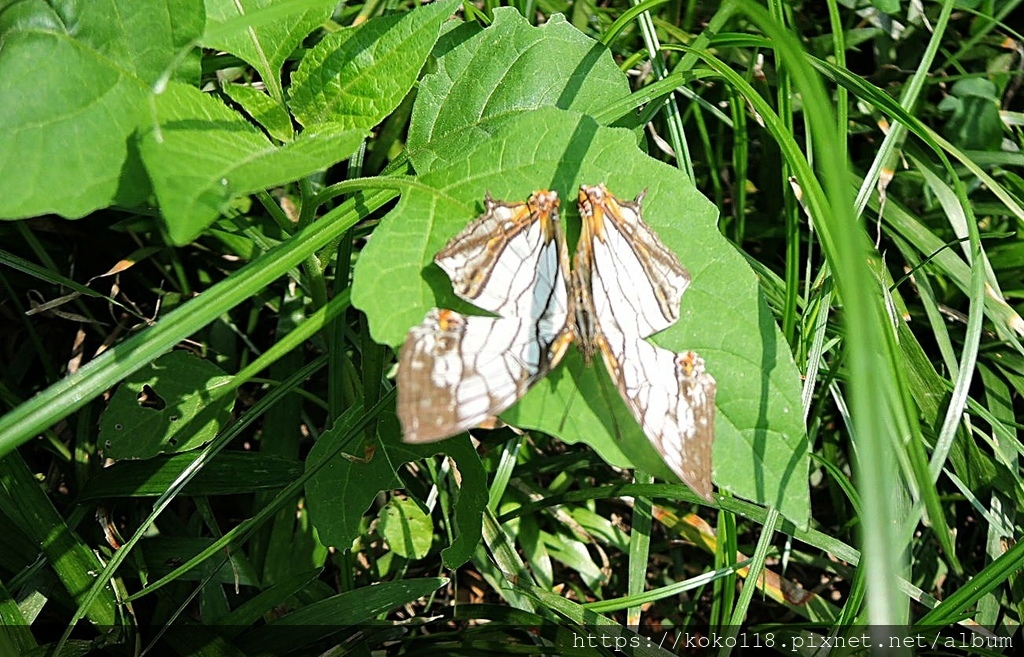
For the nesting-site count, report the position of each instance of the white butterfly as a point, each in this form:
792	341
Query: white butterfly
457	371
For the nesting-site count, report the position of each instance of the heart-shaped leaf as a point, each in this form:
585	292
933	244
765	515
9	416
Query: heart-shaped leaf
760	450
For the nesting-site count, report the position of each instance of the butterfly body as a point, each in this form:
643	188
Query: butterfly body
456	371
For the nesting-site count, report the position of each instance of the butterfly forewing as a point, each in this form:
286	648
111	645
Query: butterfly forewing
634	277
456	371
672	397
512	260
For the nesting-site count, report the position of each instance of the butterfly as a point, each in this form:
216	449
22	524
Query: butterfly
457	371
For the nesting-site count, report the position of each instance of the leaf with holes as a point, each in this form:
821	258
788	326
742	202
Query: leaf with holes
165	407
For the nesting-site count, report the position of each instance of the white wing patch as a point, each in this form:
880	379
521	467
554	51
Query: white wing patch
512	260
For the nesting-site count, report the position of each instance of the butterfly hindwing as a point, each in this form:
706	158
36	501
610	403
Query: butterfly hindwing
672	397
456	371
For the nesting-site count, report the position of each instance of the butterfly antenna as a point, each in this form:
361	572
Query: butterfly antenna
568	407
610	403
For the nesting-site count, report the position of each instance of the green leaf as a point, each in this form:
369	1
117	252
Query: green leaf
15	633
574	554
202	154
230	473
343	489
237	27
325	617
760	449
510	67
406	528
341	492
979	87
975	124
891	7
357	77
80	80
263	109
165	407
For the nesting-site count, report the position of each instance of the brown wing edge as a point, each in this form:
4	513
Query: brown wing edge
696	383
414	392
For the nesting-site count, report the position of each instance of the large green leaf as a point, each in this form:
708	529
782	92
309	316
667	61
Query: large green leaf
202	154
75	77
355	77
261	37
760	450
485	74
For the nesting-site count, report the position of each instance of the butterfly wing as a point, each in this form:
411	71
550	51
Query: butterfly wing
672	397
626	286
634	277
456	371
512	260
